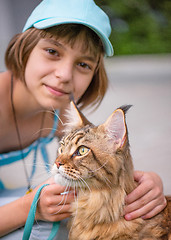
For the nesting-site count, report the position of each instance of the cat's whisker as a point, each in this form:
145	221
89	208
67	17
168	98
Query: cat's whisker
99	167
55	113
107	181
84	183
97	211
80	186
39	178
39	164
64	197
43	129
38	175
76	201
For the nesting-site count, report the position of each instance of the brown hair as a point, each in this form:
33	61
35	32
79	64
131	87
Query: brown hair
22	44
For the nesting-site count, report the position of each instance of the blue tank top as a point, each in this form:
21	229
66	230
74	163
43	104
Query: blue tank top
38	157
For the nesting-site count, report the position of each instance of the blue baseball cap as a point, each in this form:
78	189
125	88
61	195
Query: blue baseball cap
51	13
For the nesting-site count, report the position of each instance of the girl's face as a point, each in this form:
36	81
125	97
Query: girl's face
55	69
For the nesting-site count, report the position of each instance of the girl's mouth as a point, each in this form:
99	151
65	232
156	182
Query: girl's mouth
55	91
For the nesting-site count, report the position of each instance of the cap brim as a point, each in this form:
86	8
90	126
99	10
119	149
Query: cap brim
46	23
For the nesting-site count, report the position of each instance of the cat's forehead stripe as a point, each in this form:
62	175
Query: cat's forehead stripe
75	134
62	142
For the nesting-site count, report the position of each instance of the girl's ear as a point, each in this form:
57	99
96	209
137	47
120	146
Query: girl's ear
115	128
75	119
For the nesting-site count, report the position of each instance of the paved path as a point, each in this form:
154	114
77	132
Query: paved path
144	82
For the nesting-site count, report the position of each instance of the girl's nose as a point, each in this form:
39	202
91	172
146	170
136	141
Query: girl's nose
64	71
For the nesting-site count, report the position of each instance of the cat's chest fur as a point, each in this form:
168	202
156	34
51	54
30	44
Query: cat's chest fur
99	215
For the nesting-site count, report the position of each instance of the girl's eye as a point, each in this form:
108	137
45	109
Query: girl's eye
84	65
52	52
82	150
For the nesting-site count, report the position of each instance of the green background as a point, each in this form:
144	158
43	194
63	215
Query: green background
139	26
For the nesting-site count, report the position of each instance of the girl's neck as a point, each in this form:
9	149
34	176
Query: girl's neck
25	106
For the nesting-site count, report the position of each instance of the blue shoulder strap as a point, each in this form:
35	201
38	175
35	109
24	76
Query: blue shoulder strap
31	217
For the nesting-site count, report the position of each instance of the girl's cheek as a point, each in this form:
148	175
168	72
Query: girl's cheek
79	92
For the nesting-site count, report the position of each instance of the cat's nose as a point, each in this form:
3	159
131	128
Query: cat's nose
58	164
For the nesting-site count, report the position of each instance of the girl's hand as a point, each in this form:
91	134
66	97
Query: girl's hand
53	206
147	199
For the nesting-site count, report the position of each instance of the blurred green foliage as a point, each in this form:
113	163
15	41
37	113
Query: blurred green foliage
139	26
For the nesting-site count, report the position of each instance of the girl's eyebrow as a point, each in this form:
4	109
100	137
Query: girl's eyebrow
58	44
90	58
54	42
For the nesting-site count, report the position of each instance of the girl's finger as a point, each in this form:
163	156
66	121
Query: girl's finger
139	203
155	211
140	211
58	217
138	175
137	193
148	210
55	213
55	189
62	199
54	210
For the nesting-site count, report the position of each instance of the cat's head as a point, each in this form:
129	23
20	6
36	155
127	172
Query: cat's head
92	156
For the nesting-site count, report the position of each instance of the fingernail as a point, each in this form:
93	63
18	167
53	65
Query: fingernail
128	217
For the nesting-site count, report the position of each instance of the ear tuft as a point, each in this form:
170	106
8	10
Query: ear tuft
125	108
75	119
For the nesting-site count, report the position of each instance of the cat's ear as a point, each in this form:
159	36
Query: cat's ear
75	118
115	126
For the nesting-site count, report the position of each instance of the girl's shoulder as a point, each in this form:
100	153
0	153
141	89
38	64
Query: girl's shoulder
5	76
4	83
4	90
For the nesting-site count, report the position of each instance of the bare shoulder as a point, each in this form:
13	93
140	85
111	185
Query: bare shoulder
4	82
4	90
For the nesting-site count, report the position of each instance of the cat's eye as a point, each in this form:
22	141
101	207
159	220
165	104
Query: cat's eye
82	150
60	150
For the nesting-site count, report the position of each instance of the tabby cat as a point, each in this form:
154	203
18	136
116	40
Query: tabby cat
96	162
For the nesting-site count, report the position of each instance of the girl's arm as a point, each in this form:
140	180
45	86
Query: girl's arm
14	214
52	206
147	200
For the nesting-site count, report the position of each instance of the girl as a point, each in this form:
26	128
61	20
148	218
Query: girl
60	52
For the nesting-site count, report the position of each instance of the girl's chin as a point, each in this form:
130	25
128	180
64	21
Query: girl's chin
50	101
55	104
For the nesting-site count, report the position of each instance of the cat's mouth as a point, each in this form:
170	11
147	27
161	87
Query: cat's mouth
68	178
69	174
66	175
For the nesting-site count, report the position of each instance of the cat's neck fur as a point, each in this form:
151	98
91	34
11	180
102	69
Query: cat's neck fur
103	208
96	212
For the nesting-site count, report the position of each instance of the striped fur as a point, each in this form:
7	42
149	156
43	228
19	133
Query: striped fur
97	163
